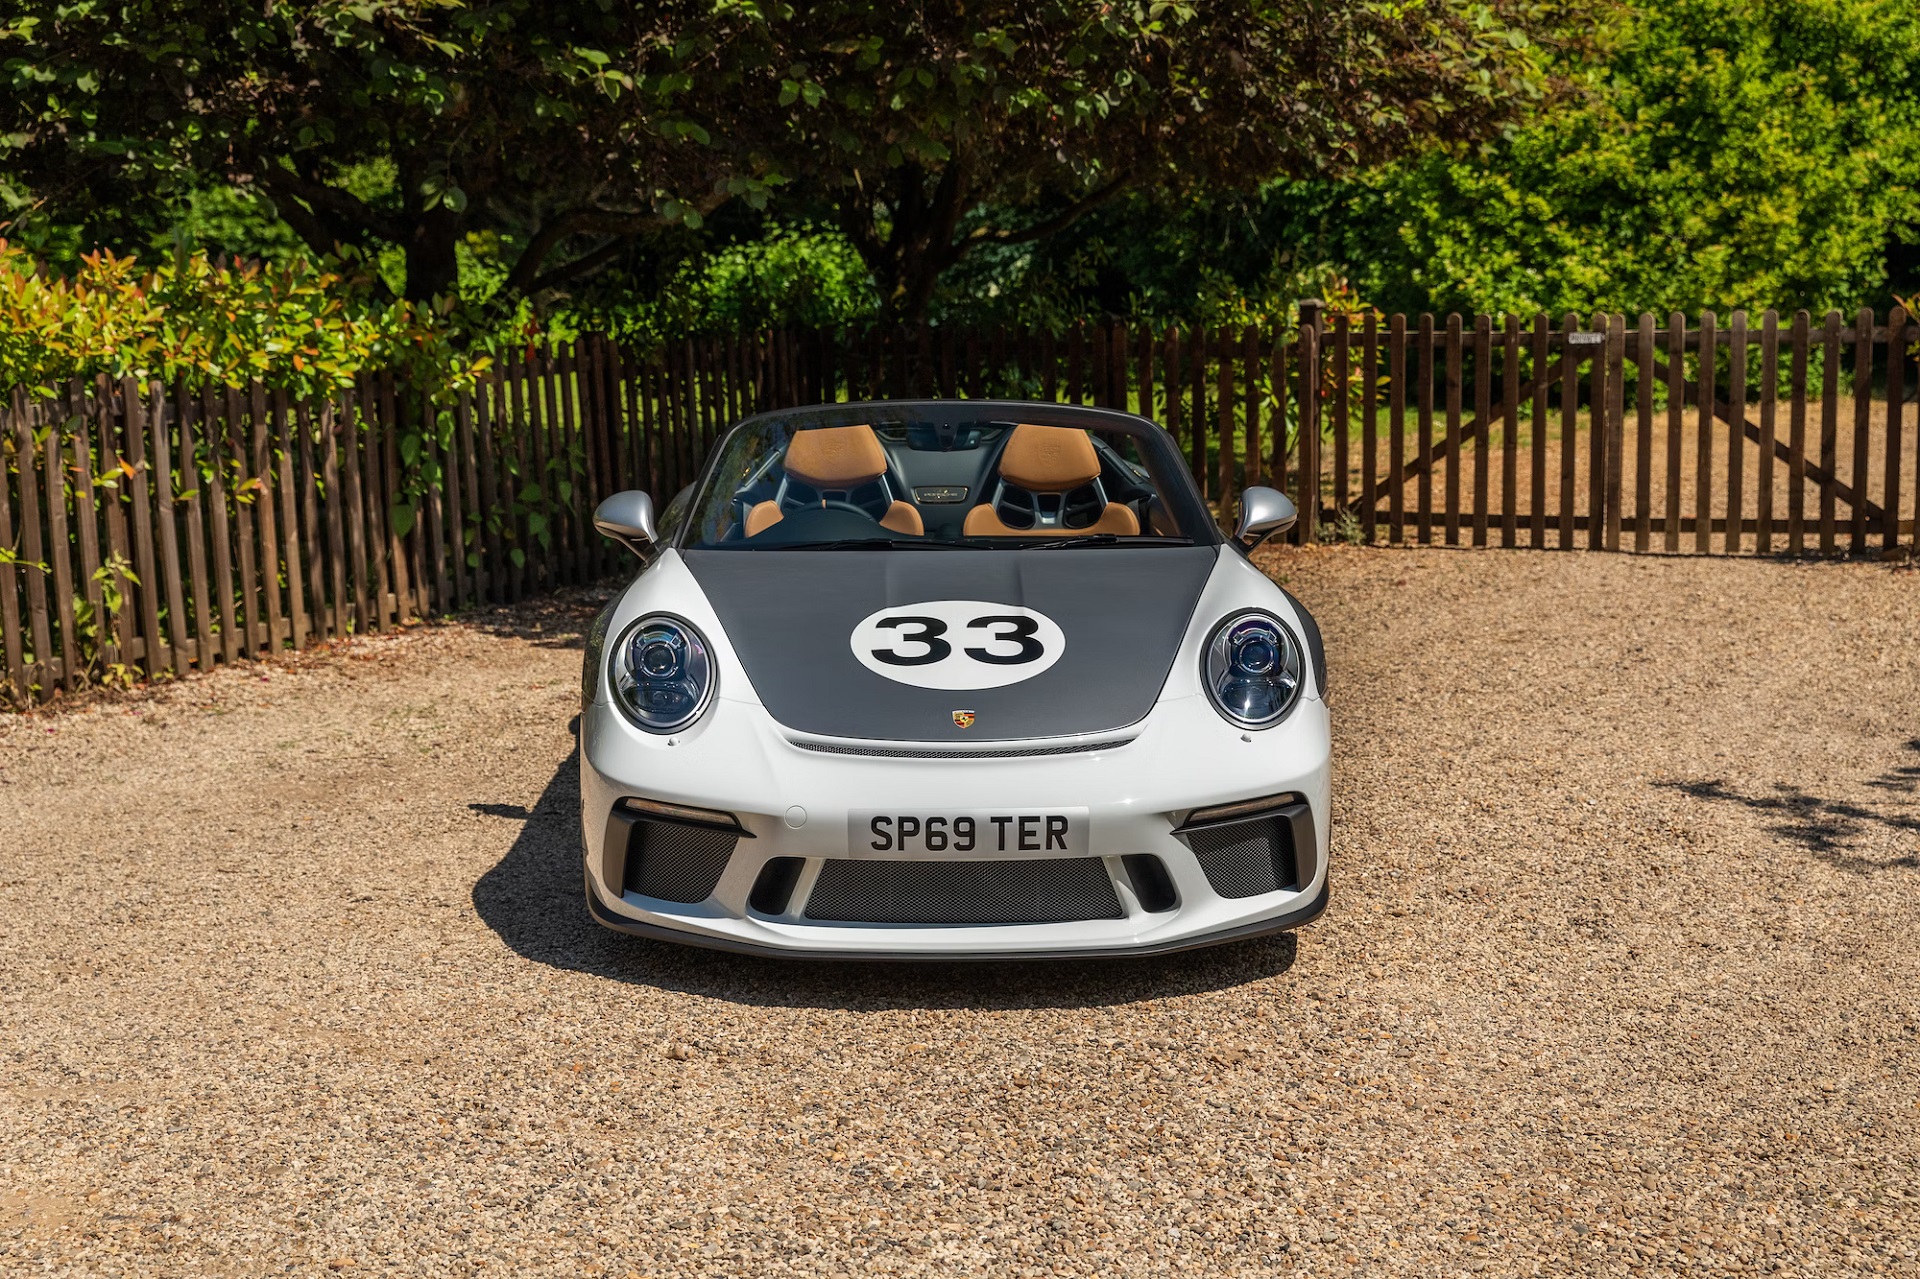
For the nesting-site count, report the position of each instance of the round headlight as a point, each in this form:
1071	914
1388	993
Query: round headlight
661	673
1253	670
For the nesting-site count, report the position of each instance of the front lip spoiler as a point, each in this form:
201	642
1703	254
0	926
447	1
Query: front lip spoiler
1300	916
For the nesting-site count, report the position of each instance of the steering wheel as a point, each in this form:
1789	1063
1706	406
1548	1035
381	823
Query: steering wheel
794	502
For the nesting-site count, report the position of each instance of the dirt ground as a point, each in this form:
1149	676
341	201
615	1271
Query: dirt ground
1619	978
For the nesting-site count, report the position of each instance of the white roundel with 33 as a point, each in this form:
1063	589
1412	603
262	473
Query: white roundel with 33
958	644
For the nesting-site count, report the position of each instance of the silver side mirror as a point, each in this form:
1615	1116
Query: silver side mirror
1263	512
627	518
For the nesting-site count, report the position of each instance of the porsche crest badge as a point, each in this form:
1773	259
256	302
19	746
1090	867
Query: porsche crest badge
963	719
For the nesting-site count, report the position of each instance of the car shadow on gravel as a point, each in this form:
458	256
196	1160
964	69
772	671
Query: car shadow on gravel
532	899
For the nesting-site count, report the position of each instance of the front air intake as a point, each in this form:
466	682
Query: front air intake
668	852
773	889
1253	848
1152	886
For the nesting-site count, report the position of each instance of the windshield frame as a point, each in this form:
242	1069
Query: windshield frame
1159	451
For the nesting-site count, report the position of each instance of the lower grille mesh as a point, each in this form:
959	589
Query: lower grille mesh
901	892
676	863
1245	859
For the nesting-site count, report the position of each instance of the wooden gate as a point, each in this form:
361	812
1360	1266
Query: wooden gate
1698	438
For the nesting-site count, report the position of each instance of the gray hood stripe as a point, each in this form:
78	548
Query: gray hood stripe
789	616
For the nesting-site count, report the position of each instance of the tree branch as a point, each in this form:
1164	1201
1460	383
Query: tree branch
936	249
581	265
544	241
1050	226
855	220
320	236
949	202
327	201
526	277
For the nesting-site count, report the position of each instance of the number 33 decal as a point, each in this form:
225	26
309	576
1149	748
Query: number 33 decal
1020	631
958	644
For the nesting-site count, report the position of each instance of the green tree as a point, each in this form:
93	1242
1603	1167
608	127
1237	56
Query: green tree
931	132
1718	154
557	134
414	123
1752	154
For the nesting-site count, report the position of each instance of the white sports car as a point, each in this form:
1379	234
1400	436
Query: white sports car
951	679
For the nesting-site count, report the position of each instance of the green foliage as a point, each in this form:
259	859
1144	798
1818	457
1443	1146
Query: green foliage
293	325
792	276
795	276
231	221
1731	155
934	132
1002	161
564	131
555	124
1223	261
93	628
1758	153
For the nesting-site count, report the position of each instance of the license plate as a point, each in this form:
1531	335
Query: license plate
973	835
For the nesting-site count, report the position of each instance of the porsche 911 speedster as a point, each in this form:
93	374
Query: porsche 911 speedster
951	679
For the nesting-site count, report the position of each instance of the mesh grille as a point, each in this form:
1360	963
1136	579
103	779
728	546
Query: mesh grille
1245	859
1041	892
940	752
676	863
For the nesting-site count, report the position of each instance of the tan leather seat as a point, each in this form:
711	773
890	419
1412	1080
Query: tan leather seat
836	459
1051	461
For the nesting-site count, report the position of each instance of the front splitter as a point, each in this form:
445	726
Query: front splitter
1299	916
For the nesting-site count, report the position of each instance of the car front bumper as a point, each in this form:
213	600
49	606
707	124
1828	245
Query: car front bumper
1296	916
791	801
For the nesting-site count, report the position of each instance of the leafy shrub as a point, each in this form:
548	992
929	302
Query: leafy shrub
298	325
792	277
1729	155
307	328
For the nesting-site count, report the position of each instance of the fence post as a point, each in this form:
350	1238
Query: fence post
1616	412
1312	317
10	635
1896	401
144	558
39	619
1223	459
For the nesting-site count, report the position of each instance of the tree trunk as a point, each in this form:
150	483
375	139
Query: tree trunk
919	245
433	263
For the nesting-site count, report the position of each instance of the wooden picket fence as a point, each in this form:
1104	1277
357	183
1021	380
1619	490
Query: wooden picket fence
146	530
1592	432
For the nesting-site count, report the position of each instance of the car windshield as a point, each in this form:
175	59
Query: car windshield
936	477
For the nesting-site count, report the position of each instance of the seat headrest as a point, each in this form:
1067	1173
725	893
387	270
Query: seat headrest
1049	459
835	457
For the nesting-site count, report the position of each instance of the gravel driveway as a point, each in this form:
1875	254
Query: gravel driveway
1620	977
